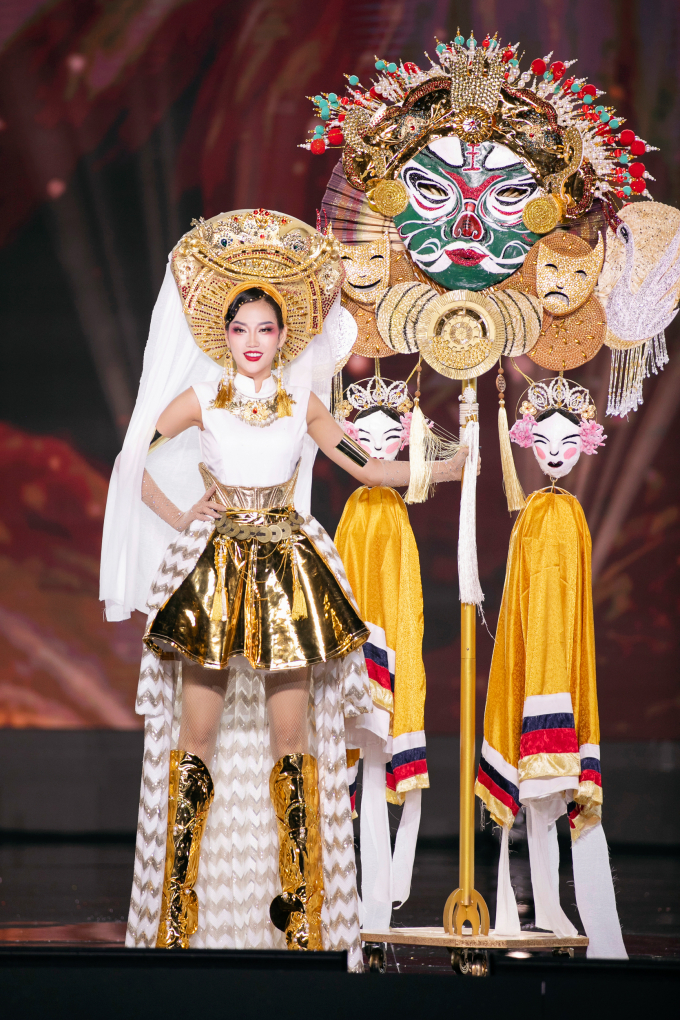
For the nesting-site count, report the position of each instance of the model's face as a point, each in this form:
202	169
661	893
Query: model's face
368	269
557	445
254	338
380	435
463	225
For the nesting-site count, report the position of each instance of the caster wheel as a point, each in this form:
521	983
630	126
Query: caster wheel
377	957
467	961
564	951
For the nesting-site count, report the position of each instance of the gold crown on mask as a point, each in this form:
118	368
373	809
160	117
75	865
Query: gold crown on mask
548	117
376	392
559	394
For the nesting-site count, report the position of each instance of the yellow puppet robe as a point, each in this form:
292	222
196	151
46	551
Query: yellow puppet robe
379	553
541	729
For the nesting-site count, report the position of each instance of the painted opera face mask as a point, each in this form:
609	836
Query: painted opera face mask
380	434
367	268
557	444
463	225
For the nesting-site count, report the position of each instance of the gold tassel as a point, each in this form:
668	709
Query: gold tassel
418	456
219	612
514	493
299	607
284	404
225	393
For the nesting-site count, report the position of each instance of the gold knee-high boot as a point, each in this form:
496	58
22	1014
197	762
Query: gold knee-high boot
294	789
189	798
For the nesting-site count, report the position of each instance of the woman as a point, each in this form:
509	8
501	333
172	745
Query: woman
251	593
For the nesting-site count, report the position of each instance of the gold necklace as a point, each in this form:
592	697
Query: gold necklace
260	412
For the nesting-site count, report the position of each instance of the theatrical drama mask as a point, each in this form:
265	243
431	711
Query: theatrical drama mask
463	225
367	268
557	443
380	433
564	282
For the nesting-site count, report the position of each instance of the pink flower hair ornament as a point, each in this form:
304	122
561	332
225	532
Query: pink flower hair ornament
592	435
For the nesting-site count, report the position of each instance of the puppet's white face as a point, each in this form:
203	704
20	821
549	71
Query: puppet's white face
380	435
557	445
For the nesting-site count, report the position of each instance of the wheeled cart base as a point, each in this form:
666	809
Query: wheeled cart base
469	953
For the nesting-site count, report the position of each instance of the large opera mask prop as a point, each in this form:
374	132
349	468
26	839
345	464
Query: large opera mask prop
471	160
463	223
558	423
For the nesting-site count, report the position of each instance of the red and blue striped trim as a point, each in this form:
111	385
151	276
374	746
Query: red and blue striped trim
377	665
353	795
551	733
590	771
498	786
404	765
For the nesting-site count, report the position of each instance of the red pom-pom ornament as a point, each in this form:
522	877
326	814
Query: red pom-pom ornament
627	137
638	186
636	169
558	69
318	146
538	66
638	147
336	137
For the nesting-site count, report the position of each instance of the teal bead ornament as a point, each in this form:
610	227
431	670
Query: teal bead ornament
353	80
599	109
392	68
319	99
442	47
624	157
379	65
332	98
514	62
588	100
459	40
628	190
604	117
614	123
325	113
471	43
319	130
575	87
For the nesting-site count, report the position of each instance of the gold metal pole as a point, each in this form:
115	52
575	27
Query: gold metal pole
465	904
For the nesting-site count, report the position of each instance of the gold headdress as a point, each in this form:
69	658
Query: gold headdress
550	118
300	267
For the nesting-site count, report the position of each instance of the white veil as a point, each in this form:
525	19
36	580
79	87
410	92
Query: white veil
135	538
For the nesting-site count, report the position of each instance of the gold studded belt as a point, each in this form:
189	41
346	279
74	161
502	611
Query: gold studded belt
286	523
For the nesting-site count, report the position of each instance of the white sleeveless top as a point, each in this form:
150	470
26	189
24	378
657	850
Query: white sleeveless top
237	453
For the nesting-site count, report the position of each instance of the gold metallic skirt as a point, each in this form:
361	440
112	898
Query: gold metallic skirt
259	589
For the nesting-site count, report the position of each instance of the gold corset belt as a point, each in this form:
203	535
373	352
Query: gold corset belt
262	513
251	497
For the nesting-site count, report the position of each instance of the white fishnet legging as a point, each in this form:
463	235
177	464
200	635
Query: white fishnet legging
203	692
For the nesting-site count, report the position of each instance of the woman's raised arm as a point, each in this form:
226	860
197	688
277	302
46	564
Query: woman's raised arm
352	457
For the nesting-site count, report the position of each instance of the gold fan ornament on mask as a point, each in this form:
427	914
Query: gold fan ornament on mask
461	334
256	247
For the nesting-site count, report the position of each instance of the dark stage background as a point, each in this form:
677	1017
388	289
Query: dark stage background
120	120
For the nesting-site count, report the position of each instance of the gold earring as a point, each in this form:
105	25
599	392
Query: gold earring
284	403
225	393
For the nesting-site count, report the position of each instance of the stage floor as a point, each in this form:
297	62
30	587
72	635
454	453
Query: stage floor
76	892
